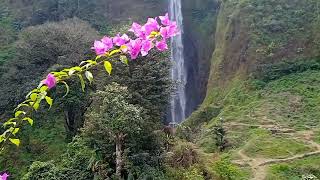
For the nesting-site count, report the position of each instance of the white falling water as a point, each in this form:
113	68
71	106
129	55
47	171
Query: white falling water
178	71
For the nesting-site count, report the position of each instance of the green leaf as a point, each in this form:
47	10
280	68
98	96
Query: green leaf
15	141
15	131
18	113
77	68
89	76
33	91
98	57
30	121
33	97
88	61
67	87
2	138
108	67
43	88
124	59
35	105
49	100
9	122
83	85
66	70
88	64
114	52
60	74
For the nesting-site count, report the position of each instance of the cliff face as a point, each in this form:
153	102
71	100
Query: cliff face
263	83
252	33
250	36
199	42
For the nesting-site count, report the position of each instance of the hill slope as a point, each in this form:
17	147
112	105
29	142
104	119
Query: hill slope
264	85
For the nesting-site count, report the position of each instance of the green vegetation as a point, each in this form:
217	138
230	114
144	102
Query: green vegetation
112	120
42	142
53	46
265	114
295	170
191	173
263	144
8	35
264	84
227	171
290	99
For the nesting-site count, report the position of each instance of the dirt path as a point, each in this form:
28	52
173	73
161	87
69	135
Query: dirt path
259	166
259	172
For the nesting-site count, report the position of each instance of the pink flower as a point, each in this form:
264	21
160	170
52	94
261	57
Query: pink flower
107	42
169	31
119	41
50	81
165	20
4	176
146	47
150	26
137	30
134	48
99	47
162	45
145	37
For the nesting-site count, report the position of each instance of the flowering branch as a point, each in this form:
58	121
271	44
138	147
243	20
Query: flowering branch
147	36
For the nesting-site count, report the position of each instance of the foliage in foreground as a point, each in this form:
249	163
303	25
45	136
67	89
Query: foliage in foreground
107	49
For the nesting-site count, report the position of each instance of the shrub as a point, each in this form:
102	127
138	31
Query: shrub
183	154
225	170
191	173
42	170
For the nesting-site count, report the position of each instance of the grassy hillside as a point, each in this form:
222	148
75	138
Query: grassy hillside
254	32
264	86
269	121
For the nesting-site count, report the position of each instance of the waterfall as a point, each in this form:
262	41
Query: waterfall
178	71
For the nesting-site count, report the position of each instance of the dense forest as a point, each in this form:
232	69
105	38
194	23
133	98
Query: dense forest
252	91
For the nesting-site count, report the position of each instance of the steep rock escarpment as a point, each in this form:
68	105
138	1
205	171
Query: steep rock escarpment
252	35
263	89
199	41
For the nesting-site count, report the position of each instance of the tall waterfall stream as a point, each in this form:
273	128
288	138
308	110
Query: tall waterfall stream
178	71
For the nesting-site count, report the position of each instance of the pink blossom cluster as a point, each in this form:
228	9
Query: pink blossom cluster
4	176
154	33
50	81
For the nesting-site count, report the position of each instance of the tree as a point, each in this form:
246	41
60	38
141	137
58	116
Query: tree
220	135
44	48
149	82
112	119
